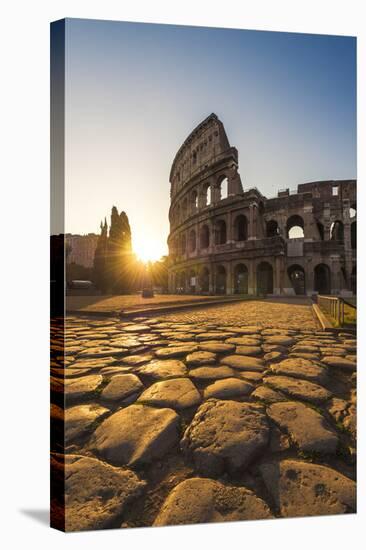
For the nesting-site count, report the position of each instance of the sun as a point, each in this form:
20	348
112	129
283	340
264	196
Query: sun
148	250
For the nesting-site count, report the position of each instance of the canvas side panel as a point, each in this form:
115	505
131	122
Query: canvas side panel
57	272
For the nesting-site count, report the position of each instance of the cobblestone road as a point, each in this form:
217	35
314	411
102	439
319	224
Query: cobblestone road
192	420
292	314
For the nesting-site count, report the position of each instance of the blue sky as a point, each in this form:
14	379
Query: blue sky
135	91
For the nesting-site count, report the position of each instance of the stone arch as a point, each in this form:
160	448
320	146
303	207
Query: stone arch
192	281
272	229
353	211
184	209
181	282
295	227
322	279
354	235
264	278
192	241
183	243
223	186
220	280
296	274
337	231
204	236
240	228
177	214
207	194
320	228
220	232
241	279
204	279
354	280
194	200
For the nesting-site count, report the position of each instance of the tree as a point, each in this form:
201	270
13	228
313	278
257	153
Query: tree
100	258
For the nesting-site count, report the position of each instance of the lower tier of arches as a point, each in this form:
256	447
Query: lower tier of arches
274	276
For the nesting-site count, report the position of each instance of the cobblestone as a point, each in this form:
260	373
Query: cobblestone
206	409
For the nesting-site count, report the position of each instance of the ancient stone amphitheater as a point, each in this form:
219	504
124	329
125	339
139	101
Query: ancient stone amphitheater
226	240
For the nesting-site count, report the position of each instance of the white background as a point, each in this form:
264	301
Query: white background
24	222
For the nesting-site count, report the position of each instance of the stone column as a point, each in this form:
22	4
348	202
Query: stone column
229	279
252	285
252	222
309	277
277	286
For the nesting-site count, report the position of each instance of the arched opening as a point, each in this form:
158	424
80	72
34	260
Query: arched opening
322	279
352	211
177	214
296	275
207	195
220	280
354	280
184	209
320	227
181	282
272	229
204	279
337	231
241	228
295	227
220	232
194	201
204	237
224	189
353	235
192	281
192	240
183	244
241	279
264	279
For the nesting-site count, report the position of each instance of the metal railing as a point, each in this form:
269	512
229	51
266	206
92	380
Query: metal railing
334	306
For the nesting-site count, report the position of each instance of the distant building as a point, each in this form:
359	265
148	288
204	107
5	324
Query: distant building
226	240
82	249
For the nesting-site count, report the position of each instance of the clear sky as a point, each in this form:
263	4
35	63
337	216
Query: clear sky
135	91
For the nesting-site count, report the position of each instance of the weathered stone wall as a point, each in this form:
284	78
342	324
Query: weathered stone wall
224	239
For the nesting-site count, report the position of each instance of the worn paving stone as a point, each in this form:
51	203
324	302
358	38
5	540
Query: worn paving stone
93	363
273	356
305	489
305	349
281	340
213	335
164	369
243	362
301	389
201	358
136	435
308	429
211	373
137	360
225	436
249	350
267	395
122	386
79	420
216	347
249	375
95	493
243	341
301	368
177	393
229	387
85	386
200	500
339	362
102	351
118	369
176	351
309	356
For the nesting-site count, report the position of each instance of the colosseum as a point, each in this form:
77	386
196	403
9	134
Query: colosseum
225	239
